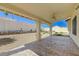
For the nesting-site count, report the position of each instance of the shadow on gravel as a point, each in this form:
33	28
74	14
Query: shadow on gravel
5	41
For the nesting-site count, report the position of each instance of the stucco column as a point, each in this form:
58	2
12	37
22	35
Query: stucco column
69	25
50	30
38	26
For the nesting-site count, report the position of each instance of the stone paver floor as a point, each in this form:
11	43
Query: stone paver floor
58	45
50	46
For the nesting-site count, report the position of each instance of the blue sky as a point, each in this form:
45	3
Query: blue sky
17	18
61	23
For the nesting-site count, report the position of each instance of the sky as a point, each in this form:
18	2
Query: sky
17	18
61	23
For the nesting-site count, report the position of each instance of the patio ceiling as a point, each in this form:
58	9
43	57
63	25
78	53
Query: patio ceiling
48	12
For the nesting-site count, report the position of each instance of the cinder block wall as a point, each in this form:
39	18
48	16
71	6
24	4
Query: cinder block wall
6	25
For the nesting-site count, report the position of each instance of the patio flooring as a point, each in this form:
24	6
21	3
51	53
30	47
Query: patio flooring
50	46
58	46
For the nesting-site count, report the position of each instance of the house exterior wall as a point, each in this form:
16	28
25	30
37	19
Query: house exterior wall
74	37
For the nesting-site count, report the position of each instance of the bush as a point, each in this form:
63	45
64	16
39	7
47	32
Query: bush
58	34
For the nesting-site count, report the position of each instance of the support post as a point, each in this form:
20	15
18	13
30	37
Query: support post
69	21
50	30
38	30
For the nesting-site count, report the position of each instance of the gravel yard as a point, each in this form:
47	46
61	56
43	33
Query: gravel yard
8	42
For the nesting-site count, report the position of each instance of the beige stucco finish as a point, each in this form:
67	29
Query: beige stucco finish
70	26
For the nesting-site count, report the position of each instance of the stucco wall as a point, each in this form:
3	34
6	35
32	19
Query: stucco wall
75	37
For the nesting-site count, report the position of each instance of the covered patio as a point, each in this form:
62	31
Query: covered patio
46	13
41	13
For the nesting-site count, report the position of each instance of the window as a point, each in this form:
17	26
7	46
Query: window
74	24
